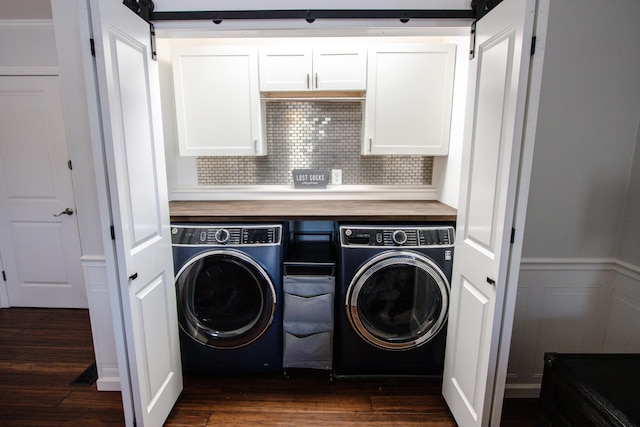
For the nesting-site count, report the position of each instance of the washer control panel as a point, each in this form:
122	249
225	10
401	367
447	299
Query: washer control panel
226	235
405	236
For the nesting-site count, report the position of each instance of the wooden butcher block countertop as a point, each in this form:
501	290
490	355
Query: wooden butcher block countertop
327	210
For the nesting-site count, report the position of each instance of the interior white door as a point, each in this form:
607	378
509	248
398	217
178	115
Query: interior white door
41	251
132	130
498	77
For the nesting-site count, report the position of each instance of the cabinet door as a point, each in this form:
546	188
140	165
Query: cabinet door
285	69
409	97
319	68
218	101
336	68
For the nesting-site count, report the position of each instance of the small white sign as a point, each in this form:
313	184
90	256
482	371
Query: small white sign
310	178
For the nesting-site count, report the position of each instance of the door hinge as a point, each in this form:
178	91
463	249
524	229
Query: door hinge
92	44
533	44
113	232
513	235
4	276
152	32
472	42
70	165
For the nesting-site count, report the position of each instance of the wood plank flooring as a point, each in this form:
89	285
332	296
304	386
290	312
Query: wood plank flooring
43	350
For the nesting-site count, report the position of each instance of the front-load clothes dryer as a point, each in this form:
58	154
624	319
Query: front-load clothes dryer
393	300
229	292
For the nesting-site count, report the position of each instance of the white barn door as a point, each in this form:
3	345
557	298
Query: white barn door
132	131
498	77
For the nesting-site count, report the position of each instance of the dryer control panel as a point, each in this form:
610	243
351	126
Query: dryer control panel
226	235
396	236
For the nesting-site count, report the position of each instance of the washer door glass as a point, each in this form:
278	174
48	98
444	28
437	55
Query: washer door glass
225	299
398	300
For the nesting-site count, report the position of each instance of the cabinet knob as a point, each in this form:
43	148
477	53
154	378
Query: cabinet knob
316	80
308	84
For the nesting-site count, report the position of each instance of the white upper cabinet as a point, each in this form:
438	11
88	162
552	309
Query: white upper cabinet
409	99
218	101
304	68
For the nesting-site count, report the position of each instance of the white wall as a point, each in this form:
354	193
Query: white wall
579	288
447	169
68	46
629	246
25	9
587	128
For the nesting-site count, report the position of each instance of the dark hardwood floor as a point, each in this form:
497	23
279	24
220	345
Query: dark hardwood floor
43	350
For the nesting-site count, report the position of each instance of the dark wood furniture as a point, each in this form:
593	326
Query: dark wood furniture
590	390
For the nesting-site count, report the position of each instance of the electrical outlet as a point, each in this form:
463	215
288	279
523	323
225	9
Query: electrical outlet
336	176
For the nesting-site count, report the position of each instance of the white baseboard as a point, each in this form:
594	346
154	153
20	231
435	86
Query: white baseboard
109	379
522	391
108	384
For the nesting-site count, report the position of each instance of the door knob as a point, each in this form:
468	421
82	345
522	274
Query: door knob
67	211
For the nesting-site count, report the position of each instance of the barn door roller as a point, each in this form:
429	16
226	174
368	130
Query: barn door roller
143	8
480	8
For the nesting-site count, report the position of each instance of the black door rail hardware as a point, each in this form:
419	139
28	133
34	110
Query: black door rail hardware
404	15
145	8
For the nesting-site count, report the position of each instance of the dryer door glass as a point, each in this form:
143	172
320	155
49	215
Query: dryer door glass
398	301
225	299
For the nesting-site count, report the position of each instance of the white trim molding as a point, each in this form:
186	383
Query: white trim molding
95	274
4	296
567	264
29	71
28	47
627	269
577	305
26	24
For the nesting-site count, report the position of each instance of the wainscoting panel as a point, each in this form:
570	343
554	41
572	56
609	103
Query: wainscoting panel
622	321
574	306
95	274
518	334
